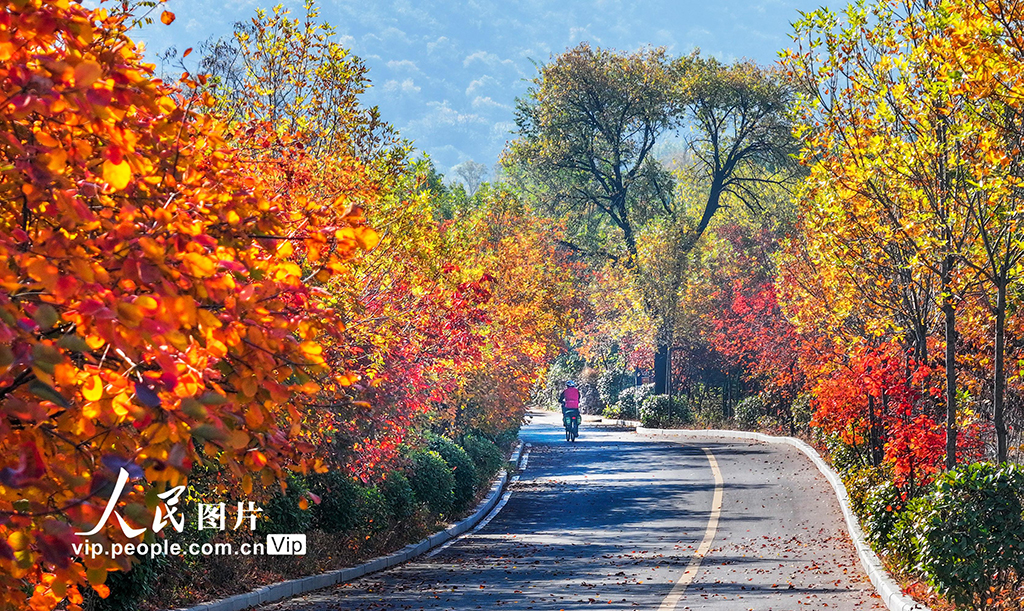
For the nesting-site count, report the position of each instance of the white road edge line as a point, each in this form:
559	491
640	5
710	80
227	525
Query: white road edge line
672	600
494	512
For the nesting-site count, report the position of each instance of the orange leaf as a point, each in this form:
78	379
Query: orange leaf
167	17
87	73
367	238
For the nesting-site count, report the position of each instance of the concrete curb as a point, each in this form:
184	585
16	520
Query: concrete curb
294	587
887	588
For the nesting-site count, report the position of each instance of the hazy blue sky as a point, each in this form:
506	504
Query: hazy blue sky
447	73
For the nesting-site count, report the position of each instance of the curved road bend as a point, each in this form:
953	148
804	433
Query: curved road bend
616	520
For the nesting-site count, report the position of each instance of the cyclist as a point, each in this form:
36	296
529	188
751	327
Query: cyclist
570	400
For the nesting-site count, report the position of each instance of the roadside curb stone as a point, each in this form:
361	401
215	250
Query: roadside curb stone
885	585
303	585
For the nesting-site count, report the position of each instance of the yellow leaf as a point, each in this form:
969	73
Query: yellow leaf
18	541
199	265
92	390
117	175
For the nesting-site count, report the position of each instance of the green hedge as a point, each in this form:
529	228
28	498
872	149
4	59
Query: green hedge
462	468
399	495
433	481
486	456
969	532
661	411
630	400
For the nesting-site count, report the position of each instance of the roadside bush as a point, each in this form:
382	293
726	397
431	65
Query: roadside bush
859	484
338	510
462	468
432	481
610	383
485	455
630	400
802	412
970	532
282	511
845	458
902	548
749	411
373	509
506	439
705	414
612	411
883	507
128	591
660	411
398	495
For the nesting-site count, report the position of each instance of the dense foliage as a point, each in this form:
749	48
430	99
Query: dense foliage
239	280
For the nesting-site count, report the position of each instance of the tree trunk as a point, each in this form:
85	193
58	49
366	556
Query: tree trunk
663	365
725	397
873	452
660	360
998	393
950	322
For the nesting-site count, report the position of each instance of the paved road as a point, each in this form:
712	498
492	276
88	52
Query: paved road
615	520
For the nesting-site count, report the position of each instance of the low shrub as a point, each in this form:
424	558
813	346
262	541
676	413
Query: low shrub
432	481
706	414
970	532
803	413
749	411
883	507
374	515
485	455
506	439
338	510
128	591
902	548
859	484
282	512
398	495
845	458
462	469
612	411
660	411
630	400
610	383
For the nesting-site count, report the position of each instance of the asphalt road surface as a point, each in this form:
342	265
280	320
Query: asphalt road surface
617	520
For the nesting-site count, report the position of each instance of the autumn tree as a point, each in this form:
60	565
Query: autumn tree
981	43
889	144
152	310
471	173
288	72
588	131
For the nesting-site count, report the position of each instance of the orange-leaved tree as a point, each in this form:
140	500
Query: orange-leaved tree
152	307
